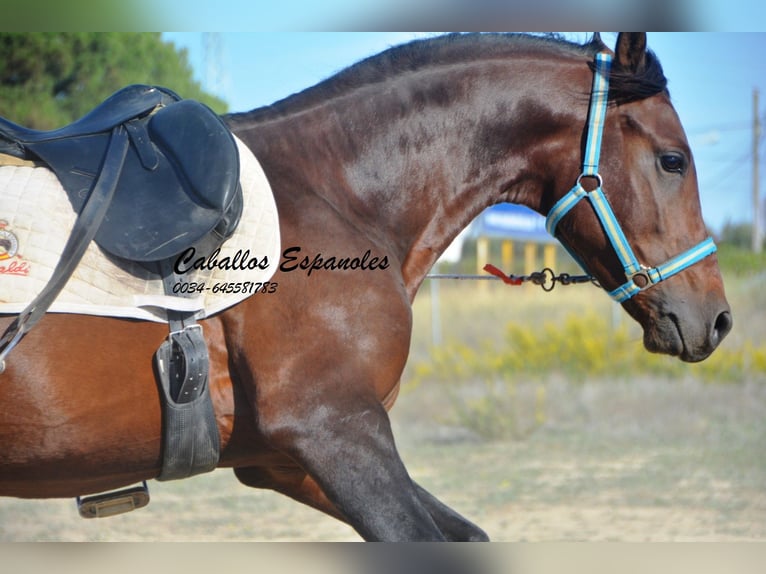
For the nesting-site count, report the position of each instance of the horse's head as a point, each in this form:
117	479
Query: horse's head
670	283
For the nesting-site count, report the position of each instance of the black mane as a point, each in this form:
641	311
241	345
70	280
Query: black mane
455	48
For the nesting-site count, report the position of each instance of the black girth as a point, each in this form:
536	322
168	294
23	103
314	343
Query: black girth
191	440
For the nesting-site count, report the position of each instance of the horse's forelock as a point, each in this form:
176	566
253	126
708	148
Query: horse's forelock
625	86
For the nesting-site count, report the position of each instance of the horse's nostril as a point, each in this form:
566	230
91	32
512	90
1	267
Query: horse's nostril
722	326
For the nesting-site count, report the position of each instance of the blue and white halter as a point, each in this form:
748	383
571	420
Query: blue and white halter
647	276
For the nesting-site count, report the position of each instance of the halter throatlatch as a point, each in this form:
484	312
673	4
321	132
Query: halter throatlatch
639	277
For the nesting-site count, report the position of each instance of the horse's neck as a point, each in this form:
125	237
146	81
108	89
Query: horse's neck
416	175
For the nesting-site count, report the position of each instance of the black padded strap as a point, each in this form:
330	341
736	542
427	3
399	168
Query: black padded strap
191	443
190	439
85	227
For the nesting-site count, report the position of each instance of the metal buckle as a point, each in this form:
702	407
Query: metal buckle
645	279
184	329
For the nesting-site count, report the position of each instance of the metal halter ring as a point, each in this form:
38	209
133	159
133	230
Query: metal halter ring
596	176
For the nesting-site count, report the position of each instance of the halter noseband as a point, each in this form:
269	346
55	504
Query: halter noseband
646	276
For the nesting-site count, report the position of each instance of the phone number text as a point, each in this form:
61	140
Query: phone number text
226	288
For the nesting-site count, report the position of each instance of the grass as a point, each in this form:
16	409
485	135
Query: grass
569	430
647	459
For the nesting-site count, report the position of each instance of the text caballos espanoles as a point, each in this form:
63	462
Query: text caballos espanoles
292	260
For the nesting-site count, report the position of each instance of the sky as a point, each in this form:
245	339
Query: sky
371	15
711	78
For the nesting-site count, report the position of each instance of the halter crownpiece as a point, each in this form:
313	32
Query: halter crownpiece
639	277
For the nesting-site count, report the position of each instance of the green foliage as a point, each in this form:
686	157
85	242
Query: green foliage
50	79
580	348
61	15
739	261
737	234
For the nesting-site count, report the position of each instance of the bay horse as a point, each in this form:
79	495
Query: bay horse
387	160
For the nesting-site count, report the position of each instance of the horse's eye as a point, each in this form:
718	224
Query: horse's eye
673	162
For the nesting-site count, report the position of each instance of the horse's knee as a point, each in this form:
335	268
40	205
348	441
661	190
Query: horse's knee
309	430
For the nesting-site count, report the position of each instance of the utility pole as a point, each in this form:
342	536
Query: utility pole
215	74
757	232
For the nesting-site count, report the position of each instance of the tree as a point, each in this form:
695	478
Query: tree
739	234
48	80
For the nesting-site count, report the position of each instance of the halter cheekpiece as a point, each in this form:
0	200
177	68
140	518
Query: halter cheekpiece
639	277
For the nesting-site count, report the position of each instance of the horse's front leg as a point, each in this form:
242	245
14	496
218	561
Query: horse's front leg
350	453
316	384
291	480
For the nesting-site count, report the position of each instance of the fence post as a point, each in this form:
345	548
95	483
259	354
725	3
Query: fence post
549	256
482	258
530	259
507	256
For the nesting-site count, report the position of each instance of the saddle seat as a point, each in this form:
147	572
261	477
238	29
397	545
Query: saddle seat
128	103
178	185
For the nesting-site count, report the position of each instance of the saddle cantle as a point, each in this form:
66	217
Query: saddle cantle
179	181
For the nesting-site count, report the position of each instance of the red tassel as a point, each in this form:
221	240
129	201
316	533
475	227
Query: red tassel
507	279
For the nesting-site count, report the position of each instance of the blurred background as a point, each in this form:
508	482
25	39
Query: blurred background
372	15
537	415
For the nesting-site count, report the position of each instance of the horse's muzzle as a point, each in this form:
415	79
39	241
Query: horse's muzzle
687	334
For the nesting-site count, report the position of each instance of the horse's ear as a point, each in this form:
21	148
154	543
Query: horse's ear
631	51
597	41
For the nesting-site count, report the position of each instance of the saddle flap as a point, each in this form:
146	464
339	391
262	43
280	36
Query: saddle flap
162	208
201	148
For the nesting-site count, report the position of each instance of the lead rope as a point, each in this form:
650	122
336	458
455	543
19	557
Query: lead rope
546	278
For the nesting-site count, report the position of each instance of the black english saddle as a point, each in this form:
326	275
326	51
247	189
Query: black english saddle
178	182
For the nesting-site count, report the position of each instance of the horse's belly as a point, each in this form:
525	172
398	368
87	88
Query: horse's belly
76	413
67	450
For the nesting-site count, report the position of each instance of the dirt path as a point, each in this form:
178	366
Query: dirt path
650	461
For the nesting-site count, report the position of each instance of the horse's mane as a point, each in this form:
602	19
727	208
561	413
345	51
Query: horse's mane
456	48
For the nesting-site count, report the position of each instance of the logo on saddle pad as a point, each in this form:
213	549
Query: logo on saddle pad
10	263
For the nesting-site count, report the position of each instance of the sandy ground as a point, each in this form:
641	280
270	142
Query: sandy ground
643	461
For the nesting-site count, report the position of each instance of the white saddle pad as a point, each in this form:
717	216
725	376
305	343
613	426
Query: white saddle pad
36	219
